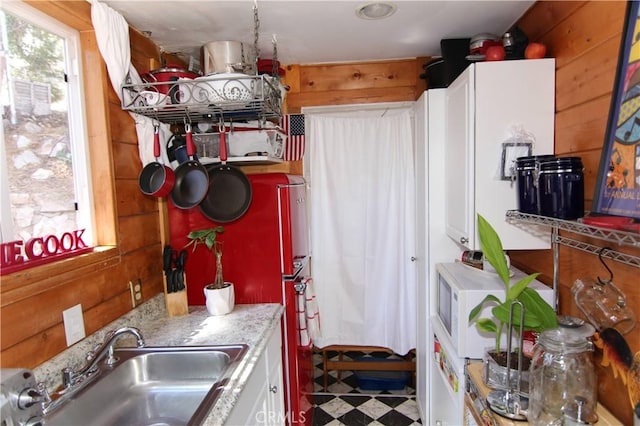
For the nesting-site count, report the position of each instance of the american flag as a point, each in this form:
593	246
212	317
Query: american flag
293	126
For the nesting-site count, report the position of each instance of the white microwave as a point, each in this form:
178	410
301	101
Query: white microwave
460	288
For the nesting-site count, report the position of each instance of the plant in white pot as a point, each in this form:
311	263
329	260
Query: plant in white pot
219	295
538	314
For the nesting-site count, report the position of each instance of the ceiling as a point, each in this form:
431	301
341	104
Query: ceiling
317	31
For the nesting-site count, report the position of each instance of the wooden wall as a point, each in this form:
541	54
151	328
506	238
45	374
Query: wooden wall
129	225
584	37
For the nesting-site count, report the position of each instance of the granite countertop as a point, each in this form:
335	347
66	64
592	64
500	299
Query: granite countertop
247	324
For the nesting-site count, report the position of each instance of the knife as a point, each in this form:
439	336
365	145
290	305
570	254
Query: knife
167	257
180	263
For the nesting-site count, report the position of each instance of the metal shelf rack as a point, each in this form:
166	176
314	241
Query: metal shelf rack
621	238
206	99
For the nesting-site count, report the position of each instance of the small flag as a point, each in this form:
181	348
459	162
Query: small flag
293	126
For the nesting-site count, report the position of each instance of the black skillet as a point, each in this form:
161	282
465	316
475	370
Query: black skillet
192	179
229	194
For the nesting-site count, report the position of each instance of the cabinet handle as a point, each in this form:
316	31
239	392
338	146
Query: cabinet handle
464	240
273	389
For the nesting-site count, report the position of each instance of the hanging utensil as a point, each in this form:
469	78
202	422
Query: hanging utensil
192	180
156	179
229	194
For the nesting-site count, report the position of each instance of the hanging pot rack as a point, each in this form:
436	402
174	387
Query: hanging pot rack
211	98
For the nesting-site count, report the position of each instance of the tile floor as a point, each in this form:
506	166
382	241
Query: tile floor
345	403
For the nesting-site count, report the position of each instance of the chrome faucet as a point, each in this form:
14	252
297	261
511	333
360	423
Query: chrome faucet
70	377
73	381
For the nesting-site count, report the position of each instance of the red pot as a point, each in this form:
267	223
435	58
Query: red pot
171	73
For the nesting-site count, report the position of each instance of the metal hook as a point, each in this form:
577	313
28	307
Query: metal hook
600	254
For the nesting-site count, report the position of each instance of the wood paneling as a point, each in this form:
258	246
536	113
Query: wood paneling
353	83
585	38
32	301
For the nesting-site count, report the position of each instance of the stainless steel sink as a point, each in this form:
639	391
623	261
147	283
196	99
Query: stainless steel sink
152	386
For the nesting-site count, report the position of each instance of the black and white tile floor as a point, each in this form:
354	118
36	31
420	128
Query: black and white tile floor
345	403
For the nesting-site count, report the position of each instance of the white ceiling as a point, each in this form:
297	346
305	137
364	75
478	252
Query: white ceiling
318	31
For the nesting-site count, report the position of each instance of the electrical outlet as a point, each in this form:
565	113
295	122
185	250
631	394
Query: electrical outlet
135	286
73	324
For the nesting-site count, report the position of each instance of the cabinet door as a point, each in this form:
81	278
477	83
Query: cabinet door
275	399
262	399
275	381
460	167
510	95
252	405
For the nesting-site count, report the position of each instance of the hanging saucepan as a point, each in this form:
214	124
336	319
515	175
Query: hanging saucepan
156	179
229	194
192	180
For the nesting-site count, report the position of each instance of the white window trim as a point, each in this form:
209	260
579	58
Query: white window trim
77	124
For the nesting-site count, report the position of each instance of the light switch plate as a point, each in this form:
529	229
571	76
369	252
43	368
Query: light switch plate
73	324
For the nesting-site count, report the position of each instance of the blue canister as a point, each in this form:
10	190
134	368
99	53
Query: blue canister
561	188
526	182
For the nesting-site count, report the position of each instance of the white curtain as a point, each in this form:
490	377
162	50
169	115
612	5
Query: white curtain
112	36
362	191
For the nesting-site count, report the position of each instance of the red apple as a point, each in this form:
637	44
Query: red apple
495	53
535	51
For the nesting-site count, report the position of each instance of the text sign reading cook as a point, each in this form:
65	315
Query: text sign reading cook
18	255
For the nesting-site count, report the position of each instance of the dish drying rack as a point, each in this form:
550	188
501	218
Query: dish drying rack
206	99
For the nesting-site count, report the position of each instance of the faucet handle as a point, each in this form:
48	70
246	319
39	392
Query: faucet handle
92	353
44	394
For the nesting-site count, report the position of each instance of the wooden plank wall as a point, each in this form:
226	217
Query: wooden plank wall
32	301
584	37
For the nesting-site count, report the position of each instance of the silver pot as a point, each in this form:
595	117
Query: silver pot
228	56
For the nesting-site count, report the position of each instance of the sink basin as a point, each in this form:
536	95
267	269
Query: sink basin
152	386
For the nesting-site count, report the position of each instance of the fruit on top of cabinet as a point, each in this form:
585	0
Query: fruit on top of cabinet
535	51
495	53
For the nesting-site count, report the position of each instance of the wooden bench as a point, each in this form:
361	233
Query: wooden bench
407	364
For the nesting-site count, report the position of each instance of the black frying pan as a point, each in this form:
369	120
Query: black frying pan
229	194
192	179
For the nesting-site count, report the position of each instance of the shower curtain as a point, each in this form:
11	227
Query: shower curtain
362	197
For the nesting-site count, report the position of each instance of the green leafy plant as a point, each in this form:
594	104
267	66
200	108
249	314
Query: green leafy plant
538	314
204	236
208	237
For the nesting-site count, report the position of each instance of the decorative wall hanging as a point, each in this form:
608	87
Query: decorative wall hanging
617	190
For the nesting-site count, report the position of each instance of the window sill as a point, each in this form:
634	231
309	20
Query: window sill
44	277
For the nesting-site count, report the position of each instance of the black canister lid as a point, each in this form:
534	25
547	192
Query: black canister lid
525	163
561	163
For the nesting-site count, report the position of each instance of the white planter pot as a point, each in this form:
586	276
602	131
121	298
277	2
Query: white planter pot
220	301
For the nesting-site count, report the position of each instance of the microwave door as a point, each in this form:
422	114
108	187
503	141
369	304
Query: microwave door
444	303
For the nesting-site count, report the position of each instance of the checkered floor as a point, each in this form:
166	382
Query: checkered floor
345	403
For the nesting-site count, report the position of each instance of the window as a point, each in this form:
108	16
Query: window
44	166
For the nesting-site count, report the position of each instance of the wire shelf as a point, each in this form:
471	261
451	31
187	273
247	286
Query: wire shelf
239	97
621	238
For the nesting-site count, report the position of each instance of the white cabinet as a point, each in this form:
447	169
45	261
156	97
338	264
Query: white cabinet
484	106
261	402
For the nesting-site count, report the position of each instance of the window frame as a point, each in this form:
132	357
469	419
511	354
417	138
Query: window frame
77	16
77	127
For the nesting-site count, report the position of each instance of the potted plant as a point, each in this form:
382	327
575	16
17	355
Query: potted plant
538	314
219	295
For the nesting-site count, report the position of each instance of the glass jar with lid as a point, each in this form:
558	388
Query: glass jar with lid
562	374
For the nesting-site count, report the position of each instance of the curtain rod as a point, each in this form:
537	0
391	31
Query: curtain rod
332	109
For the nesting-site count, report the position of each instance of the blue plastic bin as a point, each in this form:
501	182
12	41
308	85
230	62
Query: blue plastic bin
381	380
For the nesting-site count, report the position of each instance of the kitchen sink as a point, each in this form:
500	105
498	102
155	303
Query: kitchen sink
152	386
